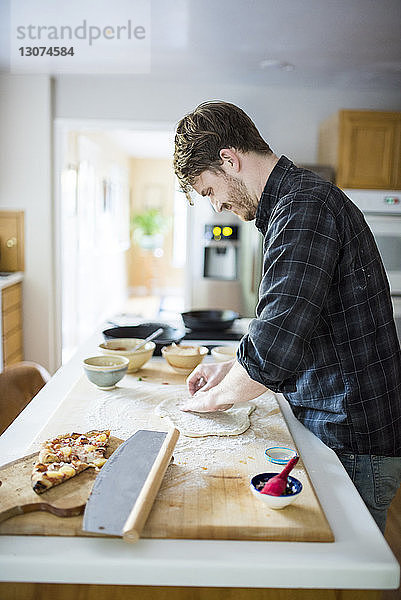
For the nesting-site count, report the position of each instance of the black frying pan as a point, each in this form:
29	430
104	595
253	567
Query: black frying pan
209	319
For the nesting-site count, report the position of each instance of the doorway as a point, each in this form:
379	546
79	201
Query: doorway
120	228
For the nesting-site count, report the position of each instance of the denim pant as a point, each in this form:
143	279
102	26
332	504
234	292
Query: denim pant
377	479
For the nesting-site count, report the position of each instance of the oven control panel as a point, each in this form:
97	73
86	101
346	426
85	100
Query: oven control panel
376	201
391	200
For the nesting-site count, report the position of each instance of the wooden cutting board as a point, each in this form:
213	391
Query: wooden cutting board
65	500
205	492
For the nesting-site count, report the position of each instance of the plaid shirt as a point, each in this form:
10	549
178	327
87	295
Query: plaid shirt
324	332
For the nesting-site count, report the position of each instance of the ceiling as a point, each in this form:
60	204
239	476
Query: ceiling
326	43
310	43
340	44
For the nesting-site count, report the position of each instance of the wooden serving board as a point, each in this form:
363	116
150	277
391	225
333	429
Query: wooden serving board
65	500
205	492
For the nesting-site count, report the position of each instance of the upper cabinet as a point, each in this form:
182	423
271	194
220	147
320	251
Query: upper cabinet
364	147
11	240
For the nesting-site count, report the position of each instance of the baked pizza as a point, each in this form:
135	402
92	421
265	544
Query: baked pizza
68	455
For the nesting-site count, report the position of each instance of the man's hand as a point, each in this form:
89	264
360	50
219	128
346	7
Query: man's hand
206	376
209	401
236	386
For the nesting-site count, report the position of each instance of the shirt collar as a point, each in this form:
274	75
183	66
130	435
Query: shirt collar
270	194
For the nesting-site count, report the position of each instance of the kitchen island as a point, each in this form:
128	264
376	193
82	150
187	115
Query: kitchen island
358	559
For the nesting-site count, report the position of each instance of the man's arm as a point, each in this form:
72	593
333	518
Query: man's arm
236	387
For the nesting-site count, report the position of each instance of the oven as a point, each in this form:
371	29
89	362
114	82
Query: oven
382	211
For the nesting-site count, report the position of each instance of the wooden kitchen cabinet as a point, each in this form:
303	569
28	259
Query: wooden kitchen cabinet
11	240
364	147
11	315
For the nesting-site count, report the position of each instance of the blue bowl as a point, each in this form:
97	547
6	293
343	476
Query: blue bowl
292	492
294	486
105	371
279	455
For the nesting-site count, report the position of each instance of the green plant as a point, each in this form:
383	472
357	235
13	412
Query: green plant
149	222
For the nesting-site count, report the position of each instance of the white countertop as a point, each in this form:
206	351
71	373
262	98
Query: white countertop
358	559
10	279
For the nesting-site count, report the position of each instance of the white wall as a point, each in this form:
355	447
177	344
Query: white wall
287	118
25	184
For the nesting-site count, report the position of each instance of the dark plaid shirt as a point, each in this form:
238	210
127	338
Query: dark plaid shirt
324	333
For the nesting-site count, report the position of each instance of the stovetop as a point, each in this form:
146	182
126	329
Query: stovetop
214	336
209	337
227	335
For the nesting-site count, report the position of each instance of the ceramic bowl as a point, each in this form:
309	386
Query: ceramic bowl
224	353
183	358
105	371
170	334
292	493
280	455
126	347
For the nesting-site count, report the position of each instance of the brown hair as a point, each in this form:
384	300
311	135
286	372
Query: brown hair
201	135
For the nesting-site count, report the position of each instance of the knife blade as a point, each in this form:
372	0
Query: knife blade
126	487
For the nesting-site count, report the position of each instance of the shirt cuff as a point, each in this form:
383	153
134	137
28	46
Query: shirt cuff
255	372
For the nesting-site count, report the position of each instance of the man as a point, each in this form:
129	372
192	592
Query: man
324	332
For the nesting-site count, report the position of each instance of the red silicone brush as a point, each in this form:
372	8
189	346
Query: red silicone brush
277	484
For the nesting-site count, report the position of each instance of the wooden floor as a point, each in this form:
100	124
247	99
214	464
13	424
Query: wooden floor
393	537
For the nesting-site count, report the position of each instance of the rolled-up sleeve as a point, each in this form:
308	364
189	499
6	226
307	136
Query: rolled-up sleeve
301	250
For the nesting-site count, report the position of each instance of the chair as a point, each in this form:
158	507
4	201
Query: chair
19	383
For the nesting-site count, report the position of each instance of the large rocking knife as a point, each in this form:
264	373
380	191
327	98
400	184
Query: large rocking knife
126	487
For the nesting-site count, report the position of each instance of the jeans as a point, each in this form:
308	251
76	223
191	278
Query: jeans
377	479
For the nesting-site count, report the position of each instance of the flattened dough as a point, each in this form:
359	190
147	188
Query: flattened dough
230	422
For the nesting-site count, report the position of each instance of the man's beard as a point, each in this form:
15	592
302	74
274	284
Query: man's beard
241	199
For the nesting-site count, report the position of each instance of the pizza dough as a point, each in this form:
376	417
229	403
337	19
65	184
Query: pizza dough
230	422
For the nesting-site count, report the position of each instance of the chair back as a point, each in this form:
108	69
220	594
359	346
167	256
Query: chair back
19	383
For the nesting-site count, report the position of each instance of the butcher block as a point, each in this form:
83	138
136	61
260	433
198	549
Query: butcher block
205	492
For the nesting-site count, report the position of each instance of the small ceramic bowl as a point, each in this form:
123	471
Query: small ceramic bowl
105	371
126	347
292	492
184	359
224	353
280	455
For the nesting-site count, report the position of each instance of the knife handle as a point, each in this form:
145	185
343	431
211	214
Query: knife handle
140	512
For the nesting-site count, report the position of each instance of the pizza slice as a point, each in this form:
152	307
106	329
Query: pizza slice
88	447
68	455
45	476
